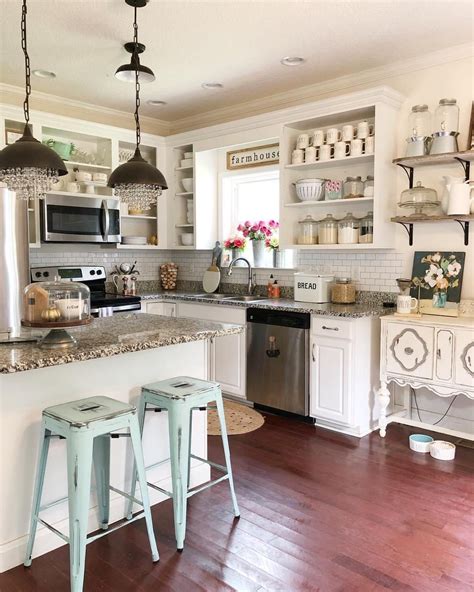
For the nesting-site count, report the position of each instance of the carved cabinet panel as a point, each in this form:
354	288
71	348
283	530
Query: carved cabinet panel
464	355
410	350
444	354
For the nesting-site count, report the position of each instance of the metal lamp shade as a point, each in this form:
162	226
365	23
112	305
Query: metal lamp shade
126	73
29	152
137	172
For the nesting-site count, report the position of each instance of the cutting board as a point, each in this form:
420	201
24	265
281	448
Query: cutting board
211	278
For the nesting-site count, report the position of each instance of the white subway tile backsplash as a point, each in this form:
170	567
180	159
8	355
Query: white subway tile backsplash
370	271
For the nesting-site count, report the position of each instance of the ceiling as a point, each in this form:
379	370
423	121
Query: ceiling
235	42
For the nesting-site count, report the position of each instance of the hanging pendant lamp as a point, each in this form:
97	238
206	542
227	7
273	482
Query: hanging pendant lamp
28	167
126	72
136	182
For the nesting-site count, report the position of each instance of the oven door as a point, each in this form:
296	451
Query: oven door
71	219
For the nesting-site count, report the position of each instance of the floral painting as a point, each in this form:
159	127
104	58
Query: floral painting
437	281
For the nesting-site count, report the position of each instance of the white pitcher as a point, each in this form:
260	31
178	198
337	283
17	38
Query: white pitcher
448	180
461	201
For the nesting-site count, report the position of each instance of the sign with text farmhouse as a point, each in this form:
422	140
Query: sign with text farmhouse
248	158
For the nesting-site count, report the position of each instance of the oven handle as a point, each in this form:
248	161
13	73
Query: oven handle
105	220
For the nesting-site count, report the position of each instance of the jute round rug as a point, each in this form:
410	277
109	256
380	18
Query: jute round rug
239	419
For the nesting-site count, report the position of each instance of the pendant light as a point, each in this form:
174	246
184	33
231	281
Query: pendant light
28	167
126	72
136	182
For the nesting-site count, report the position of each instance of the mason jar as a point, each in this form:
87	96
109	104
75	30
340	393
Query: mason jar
446	117
353	187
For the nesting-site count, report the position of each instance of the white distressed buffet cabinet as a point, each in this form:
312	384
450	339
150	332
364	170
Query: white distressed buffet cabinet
430	352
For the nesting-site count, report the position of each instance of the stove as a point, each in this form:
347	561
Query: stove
103	303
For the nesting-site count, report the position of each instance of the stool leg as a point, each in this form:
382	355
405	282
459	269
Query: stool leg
135	436
141	409
225	443
178	417
79	467
101	456
38	490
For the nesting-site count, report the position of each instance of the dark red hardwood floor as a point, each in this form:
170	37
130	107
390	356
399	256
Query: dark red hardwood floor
320	511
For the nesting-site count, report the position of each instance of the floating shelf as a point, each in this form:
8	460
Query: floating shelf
323	164
184	225
329	202
348	247
137	247
86	165
77	193
138	217
408	221
409	163
184	193
185	168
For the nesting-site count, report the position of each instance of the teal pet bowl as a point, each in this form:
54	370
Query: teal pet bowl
420	442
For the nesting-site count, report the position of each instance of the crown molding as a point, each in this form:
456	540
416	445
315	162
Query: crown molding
311	92
46	102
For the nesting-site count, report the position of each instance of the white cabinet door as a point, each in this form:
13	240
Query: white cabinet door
330	375
410	350
228	354
228	363
464	356
444	354
166	309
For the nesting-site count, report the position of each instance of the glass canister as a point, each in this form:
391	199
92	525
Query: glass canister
366	228
446	117
419	198
343	291
348	231
369	186
353	187
419	122
308	231
59	301
328	230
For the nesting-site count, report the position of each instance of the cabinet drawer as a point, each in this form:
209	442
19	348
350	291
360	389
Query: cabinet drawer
331	327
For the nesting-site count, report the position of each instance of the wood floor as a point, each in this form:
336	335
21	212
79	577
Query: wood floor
320	511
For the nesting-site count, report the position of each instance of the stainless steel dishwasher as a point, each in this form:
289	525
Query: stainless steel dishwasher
278	359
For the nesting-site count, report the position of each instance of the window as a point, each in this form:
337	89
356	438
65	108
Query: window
250	196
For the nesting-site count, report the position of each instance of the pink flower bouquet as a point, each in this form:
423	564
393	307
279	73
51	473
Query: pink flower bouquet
235	242
258	230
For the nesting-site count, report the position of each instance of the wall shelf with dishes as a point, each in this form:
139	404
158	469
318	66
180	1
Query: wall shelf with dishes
339	164
183	219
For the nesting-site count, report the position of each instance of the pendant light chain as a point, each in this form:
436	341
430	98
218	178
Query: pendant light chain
137	82
26	102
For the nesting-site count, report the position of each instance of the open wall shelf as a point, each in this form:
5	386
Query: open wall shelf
408	221
409	163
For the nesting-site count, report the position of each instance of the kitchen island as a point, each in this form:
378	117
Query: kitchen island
114	357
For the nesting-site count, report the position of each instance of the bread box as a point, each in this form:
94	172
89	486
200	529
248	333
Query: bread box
312	287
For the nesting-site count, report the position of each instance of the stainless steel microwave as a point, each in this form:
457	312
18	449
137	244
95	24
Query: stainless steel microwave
72	219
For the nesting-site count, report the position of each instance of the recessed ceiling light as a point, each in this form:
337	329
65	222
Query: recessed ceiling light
292	61
156	103
44	74
211	85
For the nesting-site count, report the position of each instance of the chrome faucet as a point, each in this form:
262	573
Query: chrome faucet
251	281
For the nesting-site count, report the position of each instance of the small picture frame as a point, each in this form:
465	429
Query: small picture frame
11	136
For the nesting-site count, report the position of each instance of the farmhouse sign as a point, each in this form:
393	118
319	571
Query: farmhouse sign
248	158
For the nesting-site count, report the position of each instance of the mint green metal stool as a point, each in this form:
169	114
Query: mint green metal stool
180	396
87	426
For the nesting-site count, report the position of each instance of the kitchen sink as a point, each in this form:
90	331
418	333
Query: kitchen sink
214	296
248	298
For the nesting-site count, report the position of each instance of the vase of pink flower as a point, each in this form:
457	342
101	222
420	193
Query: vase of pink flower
273	243
236	245
258	233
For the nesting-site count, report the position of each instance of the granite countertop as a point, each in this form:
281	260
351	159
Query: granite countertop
111	336
358	310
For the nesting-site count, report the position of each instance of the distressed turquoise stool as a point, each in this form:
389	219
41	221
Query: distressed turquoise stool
180	396
87	426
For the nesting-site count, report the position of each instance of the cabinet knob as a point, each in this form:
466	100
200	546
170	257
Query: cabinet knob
409	351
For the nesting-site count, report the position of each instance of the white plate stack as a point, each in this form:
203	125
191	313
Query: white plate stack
190	211
134	240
